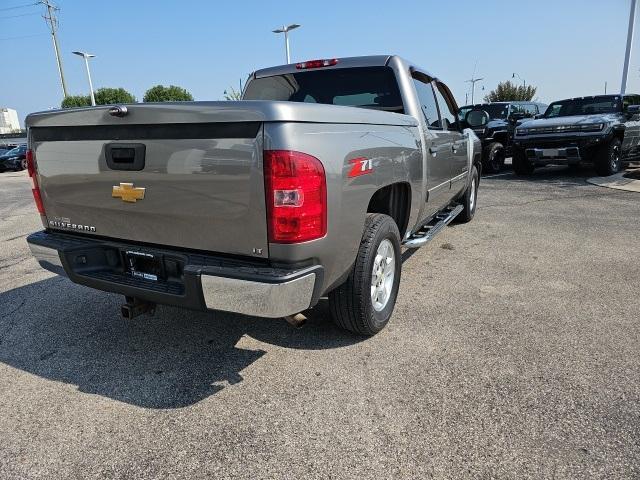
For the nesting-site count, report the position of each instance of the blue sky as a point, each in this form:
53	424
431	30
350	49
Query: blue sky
565	47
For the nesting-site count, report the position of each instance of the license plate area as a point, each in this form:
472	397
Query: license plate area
550	153
144	265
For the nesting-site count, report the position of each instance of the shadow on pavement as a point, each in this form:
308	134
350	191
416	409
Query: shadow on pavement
554	174
72	334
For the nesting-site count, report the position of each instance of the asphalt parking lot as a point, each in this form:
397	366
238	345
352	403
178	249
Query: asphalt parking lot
514	352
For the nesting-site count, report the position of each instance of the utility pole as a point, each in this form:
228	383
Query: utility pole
605	88
52	22
473	82
627	55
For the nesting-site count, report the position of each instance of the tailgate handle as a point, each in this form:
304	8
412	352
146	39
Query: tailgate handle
125	156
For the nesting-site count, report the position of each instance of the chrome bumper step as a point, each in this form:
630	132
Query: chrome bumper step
432	228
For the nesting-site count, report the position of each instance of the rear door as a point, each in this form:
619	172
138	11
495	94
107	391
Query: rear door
438	144
459	165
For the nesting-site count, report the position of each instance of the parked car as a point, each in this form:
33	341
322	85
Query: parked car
260	206
497	135
603	130
14	159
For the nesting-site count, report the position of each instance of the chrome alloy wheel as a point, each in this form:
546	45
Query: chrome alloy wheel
384	270
472	196
615	159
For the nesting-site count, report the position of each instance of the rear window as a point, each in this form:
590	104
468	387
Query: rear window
365	87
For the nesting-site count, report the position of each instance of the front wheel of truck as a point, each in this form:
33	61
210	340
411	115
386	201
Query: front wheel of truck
493	158
469	199
607	158
364	303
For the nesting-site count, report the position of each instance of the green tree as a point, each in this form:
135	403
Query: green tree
108	96
172	93
73	101
104	96
507	91
232	94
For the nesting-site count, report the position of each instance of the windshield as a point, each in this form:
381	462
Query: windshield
584	106
365	87
17	151
495	110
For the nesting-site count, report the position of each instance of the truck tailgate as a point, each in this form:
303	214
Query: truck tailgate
196	185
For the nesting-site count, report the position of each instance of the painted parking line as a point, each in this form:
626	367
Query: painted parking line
498	175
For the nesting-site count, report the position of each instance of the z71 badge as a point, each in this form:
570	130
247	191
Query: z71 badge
360	166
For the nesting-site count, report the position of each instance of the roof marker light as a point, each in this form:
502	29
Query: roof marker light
316	63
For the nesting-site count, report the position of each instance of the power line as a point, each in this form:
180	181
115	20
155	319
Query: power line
22	36
21	15
19	6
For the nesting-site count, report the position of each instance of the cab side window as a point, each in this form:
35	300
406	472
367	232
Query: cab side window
447	108
427	103
531	109
516	108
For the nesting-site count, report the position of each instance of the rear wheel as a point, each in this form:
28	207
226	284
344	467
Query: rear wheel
364	303
607	159
521	164
23	164
493	157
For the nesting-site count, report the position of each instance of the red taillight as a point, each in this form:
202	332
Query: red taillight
296	195
316	63
35	188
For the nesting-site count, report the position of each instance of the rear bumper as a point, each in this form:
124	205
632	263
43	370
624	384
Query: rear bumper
197	281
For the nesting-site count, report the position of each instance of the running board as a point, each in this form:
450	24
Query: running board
435	226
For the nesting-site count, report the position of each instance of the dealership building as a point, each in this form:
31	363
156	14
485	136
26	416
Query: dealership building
9	121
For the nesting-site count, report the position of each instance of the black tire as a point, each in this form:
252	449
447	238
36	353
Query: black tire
469	199
608	158
493	158
521	164
351	303
23	164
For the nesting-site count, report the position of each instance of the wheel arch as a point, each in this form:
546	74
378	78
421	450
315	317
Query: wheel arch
394	200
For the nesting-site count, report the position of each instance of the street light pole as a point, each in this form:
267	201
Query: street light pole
524	83
86	57
627	55
286	31
473	82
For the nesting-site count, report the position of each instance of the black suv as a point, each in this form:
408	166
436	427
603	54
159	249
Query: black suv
604	130
497	134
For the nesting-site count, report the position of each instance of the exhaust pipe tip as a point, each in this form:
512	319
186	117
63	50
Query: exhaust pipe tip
297	321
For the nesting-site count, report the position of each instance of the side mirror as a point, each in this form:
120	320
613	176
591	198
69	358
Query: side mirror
476	118
633	110
539	115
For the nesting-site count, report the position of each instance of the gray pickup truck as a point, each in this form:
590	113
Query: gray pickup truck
306	188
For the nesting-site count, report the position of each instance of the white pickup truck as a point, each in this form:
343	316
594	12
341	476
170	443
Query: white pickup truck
306	188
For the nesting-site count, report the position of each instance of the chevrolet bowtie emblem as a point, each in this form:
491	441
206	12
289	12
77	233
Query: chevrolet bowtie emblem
127	193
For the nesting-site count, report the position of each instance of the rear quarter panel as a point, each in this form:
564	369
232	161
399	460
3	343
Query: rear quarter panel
396	157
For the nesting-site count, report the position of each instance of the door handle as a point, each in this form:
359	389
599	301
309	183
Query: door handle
454	149
433	151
